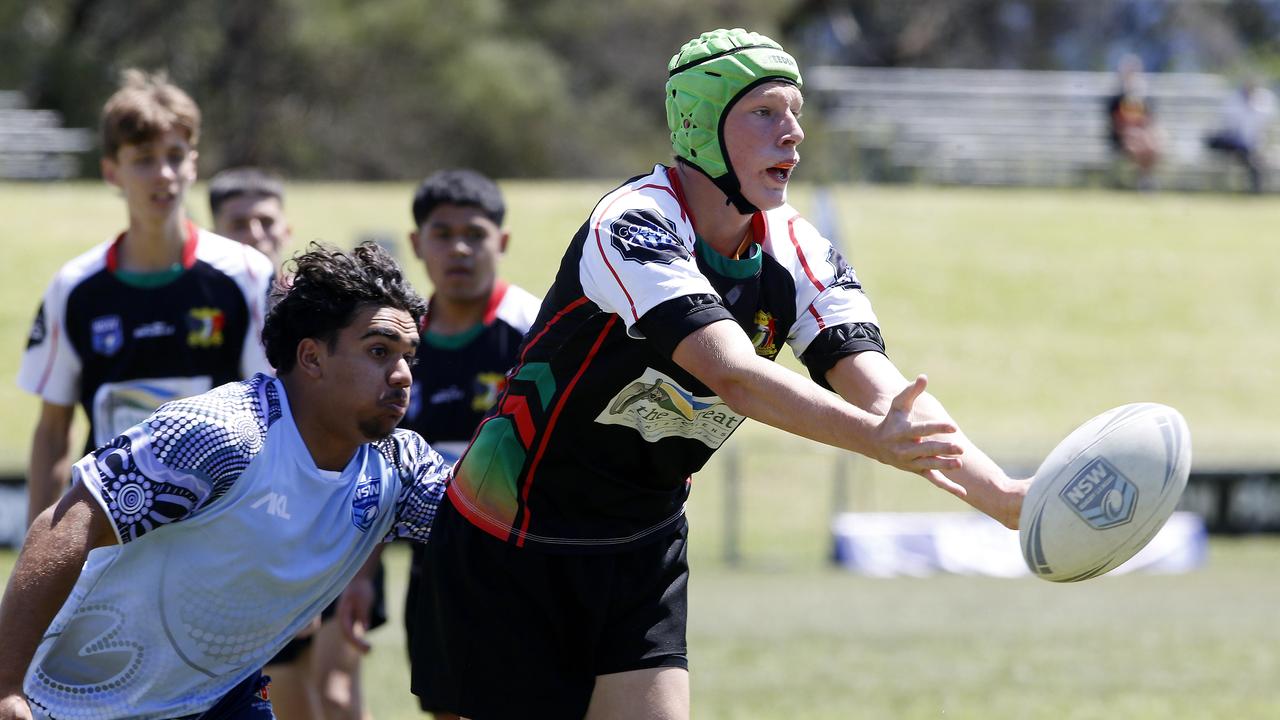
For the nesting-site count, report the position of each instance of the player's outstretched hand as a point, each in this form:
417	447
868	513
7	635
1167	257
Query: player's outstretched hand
14	707
913	445
354	609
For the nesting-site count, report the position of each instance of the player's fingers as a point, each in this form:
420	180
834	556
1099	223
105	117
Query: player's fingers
937	478
928	448
927	429
907	398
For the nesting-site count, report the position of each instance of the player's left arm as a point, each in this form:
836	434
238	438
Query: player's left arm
47	569
870	381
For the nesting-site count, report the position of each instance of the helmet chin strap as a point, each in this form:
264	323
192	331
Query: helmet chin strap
729	185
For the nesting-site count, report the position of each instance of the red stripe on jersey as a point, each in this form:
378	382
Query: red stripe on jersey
495	300
821	325
791	230
673	177
477	519
600	244
517	408
551	425
188	248
554	319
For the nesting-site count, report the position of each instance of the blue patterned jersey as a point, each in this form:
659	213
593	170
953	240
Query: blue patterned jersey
231	539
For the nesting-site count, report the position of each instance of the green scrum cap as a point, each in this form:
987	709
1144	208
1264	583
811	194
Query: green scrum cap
704	80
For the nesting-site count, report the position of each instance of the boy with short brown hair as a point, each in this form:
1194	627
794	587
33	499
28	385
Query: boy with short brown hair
162	311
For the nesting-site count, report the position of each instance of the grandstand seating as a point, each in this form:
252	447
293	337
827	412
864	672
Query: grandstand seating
33	143
1013	127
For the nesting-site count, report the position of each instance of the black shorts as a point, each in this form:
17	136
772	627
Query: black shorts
509	632
377	616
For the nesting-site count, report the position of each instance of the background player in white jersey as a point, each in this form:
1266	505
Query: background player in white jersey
558	565
163	311
195	545
475	322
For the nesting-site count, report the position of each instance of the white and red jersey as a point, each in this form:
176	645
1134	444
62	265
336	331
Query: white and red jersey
120	346
594	440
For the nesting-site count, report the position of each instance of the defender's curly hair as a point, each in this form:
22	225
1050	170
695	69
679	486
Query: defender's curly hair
327	289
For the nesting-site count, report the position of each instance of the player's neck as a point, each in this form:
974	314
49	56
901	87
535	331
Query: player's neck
453	316
716	221
153	247
328	450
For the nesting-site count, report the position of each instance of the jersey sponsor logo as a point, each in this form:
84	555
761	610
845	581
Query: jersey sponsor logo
103	661
38	330
644	236
1101	495
156	329
487	387
453	393
204	327
276	504
364	502
765	336
657	407
106	334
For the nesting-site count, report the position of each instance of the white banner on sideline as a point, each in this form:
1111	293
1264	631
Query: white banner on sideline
969	543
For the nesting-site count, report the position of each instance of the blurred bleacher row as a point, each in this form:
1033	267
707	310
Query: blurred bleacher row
943	126
33	143
1015	127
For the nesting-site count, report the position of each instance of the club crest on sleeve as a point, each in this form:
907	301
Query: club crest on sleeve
844	275
364	503
1101	495
644	236
38	330
107	334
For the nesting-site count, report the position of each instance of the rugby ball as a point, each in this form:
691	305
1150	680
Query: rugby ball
1104	492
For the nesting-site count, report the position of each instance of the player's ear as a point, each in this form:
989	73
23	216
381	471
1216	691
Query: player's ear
413	243
502	244
108	166
310	357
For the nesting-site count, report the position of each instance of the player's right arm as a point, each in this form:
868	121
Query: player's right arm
721	357
55	550
49	465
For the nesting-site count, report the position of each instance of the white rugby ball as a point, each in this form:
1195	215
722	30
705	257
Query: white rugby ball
1104	492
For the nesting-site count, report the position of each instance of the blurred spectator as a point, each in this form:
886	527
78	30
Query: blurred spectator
1131	119
1246	115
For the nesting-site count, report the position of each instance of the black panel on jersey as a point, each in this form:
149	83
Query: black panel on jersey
193	326
670	322
835	343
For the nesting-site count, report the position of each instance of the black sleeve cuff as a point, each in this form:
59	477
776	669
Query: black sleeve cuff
835	343
674	320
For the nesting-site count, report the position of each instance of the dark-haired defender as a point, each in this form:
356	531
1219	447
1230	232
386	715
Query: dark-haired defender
210	532
558	565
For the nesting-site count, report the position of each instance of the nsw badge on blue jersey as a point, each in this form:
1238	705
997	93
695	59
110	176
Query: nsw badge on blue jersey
108	334
364	503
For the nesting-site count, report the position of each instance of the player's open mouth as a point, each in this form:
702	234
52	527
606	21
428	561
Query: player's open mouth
782	171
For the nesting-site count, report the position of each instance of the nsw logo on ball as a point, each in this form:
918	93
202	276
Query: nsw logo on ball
1101	495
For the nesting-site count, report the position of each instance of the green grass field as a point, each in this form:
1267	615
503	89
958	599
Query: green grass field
1031	311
